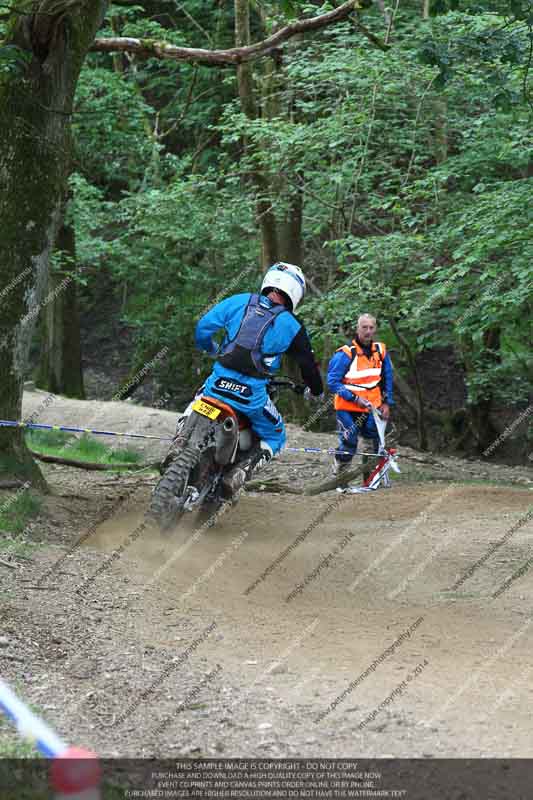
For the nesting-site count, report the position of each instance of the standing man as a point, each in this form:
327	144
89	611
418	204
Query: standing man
361	377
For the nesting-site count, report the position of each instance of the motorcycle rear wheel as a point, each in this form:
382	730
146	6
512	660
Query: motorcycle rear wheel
170	492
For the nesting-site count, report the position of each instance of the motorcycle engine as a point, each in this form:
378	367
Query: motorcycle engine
245	439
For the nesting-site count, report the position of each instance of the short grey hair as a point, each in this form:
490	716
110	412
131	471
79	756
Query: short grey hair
367	316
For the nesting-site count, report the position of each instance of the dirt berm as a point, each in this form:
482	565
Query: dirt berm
392	623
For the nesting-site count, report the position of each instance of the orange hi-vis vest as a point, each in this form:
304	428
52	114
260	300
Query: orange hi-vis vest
363	377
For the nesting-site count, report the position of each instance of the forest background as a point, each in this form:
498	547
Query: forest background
388	153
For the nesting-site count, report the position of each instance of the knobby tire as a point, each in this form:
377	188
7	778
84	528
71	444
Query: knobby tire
166	505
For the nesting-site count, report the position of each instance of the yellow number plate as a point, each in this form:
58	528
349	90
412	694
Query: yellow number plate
206	409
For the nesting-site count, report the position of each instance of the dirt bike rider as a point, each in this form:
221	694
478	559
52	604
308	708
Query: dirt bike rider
259	328
361	377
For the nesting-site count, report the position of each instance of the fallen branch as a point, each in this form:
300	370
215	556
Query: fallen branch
271	485
423	460
6	564
372	37
119	482
338	480
11	484
275	486
91	465
151	48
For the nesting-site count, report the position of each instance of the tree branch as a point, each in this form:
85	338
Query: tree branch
151	48
271	485
339	480
90	465
372	37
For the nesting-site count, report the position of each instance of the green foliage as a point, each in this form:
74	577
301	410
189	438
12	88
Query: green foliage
440	240
89	214
181	247
12	747
109	120
13	60
47	441
86	448
413	167
16	511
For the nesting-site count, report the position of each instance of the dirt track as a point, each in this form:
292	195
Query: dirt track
130	625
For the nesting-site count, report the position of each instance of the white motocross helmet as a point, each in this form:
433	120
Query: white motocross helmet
286	278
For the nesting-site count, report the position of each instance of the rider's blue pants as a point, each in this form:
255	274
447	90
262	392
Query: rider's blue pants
351	425
265	418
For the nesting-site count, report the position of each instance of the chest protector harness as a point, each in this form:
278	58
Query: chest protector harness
363	376
244	353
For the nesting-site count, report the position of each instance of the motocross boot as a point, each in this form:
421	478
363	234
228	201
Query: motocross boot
368	446
235	478
338	467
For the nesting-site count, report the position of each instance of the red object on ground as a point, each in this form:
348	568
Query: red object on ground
74	771
391	451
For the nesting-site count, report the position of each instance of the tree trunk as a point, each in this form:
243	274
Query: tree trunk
36	99
440	115
279	240
60	369
269	230
245	81
290	228
482	428
421	418
247	94
290	232
440	110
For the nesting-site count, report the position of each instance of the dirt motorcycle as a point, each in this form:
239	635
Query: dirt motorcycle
211	438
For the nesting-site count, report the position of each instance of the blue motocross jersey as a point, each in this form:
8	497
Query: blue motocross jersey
228	315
